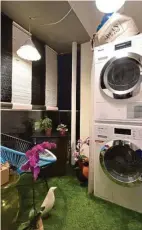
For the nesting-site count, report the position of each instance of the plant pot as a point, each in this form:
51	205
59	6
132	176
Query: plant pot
62	132
80	176
48	132
80	164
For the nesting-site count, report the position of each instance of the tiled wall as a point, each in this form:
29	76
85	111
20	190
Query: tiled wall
6	59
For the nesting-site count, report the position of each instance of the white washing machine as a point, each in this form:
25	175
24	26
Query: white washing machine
118	81
118	164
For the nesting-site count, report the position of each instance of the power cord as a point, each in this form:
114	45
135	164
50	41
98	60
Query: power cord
54	23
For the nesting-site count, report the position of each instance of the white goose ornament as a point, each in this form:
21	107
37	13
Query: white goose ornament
48	202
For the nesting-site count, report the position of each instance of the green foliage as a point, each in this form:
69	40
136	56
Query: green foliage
37	125
43	124
46	123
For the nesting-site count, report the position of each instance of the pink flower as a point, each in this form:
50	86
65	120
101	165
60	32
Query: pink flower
38	148
46	145
33	161
35	154
76	154
53	145
26	166
28	153
33	158
36	172
79	141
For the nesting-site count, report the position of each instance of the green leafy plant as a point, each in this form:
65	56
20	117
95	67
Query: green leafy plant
46	123
38	125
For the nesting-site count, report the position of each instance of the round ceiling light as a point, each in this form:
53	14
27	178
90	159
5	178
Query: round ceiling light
109	6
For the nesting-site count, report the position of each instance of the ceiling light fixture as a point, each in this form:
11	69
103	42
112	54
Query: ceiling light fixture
28	51
109	6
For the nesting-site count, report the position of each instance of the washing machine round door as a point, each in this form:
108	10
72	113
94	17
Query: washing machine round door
122	162
121	76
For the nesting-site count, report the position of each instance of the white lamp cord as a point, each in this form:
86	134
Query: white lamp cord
52	23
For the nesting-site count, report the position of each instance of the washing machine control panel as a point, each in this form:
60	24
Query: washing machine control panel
104	132
137	134
134	134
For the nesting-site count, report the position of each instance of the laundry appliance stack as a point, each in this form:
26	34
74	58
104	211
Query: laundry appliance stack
118	122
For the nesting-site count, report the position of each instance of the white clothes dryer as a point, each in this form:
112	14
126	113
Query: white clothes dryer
118	164
118	81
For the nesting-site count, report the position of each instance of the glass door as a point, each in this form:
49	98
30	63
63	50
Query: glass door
122	76
122	161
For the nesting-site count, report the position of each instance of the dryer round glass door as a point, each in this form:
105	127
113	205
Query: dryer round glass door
121	76
122	162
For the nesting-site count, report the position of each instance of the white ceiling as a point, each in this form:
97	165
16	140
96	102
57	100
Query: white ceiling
78	26
60	36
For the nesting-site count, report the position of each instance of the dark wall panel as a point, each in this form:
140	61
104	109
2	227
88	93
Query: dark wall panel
78	96
64	81
64	89
6	58
78	82
38	75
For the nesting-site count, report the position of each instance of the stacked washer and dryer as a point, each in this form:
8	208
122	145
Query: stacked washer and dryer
118	123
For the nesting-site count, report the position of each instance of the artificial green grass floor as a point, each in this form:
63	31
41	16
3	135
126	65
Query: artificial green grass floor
75	210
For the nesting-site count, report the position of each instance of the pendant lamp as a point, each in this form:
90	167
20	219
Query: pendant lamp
28	50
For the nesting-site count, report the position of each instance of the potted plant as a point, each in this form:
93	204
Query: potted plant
62	129
46	125
81	158
37	125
